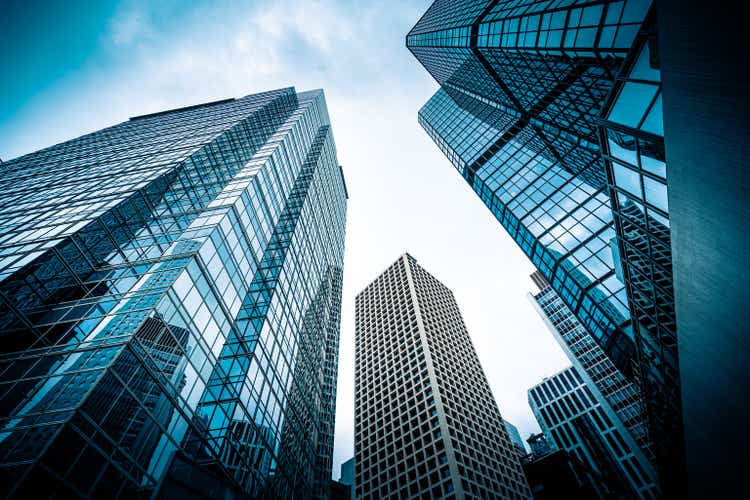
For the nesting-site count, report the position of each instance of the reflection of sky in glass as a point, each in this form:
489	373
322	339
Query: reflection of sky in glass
206	233
654	122
627	179
632	103
656	193
653	165
561	210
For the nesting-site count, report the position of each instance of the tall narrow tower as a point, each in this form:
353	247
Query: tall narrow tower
425	418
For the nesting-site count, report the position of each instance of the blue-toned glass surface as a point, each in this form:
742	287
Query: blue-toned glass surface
159	281
551	111
633	145
562	223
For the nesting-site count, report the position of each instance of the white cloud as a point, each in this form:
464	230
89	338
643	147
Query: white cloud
320	24
130	24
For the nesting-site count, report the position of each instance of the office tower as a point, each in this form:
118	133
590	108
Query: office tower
576	416
426	422
552	113
515	438
591	362
170	296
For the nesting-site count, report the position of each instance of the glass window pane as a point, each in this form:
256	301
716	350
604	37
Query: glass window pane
627	179
663	220
653	165
653	122
625	154
642	69
632	103
656	193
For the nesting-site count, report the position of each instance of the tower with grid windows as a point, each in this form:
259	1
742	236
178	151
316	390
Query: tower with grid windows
170	294
426	422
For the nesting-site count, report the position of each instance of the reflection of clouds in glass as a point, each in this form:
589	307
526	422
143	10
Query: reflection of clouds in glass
618	150
656	193
627	179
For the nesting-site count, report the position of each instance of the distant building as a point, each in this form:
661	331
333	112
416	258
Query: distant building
347	474
515	438
540	445
579	420
426	422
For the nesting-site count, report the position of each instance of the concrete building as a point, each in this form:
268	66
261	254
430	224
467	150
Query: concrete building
426	422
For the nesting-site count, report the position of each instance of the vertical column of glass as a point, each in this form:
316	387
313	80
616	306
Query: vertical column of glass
632	137
101	394
226	385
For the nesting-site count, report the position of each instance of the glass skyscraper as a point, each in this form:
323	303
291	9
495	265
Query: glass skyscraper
170	293
551	112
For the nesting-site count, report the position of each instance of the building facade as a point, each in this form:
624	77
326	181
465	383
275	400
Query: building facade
170	293
426	422
592	363
575	415
705	110
552	113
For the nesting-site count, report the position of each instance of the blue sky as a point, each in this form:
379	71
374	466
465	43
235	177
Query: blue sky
77	66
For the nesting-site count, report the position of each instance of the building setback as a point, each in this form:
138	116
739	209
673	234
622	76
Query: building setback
576	416
552	113
170	293
426	422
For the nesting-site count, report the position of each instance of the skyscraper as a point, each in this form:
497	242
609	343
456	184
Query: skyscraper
592	363
425	419
170	293
576	416
551	112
